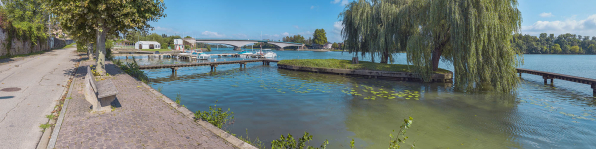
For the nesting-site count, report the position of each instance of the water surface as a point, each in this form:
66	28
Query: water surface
268	102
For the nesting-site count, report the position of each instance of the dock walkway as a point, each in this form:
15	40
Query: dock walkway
213	65
551	76
141	119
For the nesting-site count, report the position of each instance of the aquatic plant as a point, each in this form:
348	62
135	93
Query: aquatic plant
178	97
215	116
290	143
133	69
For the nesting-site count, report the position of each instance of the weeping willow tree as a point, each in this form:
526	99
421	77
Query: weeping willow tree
473	35
376	28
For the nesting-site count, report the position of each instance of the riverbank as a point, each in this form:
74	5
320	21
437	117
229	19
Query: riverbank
142	118
345	67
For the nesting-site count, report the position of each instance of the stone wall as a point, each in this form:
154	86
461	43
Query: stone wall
24	47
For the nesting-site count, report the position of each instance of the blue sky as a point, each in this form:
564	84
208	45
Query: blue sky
246	19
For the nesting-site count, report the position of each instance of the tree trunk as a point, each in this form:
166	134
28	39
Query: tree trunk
385	56
436	56
90	51
101	48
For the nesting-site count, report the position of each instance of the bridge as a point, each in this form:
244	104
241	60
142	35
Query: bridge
239	43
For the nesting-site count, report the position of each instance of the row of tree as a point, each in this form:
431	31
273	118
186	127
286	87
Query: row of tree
472	35
91	22
551	44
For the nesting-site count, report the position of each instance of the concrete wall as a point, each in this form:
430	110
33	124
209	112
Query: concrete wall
24	47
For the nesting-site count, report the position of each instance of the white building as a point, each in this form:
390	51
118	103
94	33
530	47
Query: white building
327	45
179	44
147	45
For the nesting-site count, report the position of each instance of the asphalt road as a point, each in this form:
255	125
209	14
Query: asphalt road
29	89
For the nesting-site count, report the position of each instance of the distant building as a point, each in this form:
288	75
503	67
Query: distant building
179	44
147	45
327	45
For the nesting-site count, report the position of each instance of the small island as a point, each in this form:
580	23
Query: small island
363	68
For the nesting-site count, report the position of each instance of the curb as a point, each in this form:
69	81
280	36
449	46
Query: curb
52	134
189	114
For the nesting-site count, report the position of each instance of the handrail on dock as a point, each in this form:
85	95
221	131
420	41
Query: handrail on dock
551	76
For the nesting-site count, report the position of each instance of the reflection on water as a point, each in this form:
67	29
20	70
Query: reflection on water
269	102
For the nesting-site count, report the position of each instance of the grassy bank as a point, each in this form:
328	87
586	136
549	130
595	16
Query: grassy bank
347	64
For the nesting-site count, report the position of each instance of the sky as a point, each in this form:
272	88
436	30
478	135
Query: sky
275	19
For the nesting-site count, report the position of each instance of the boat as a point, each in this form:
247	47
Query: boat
203	56
267	53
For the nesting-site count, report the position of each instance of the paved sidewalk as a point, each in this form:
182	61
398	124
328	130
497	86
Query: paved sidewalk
143	120
29	89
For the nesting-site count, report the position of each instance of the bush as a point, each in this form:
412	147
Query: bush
215	116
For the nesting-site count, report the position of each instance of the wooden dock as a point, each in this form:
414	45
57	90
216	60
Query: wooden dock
213	65
551	76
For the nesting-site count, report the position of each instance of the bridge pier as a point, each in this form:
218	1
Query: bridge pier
237	48
174	69
594	90
242	64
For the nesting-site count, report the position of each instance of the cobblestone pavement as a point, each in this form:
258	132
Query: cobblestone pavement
140	120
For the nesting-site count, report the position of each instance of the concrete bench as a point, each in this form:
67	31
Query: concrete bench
99	94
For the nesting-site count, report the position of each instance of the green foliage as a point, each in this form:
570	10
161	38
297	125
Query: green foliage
320	37
576	50
24	20
159	89
133	70
473	35
215	116
335	45
295	38
347	64
178	98
44	126
546	44
256	142
208	49
401	137
70	45
51	116
290	143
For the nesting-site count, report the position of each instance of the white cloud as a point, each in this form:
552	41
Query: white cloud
546	15
164	30
285	34
337	27
213	34
343	2
296	26
312	7
583	27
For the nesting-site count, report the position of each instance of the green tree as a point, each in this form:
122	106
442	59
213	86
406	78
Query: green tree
25	20
473	35
320	37
335	45
556	49
107	17
575	50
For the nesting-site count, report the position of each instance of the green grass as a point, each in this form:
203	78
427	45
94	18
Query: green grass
347	64
153	50
72	45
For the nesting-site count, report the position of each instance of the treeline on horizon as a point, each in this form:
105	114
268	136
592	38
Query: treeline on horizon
550	44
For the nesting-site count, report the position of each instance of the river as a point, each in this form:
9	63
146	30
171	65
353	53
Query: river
268	102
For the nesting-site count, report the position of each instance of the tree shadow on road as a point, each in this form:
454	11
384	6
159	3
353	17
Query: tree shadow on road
6	97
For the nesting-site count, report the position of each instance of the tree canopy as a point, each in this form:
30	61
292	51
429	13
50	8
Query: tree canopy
24	20
107	17
320	37
545	44
473	35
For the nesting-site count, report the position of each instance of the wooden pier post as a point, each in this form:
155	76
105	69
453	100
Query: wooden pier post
174	69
